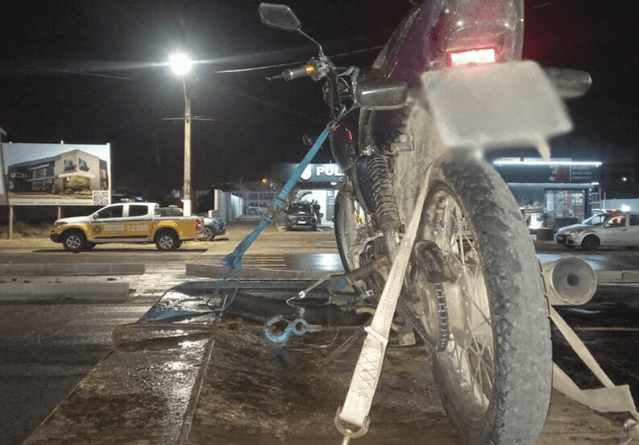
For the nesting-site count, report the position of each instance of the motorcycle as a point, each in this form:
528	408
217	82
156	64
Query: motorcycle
425	227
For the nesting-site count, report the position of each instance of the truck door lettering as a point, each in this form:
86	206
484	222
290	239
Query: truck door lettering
138	228
114	228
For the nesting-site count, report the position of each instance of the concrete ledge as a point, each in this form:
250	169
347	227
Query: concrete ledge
604	276
630	276
57	269
12	293
210	271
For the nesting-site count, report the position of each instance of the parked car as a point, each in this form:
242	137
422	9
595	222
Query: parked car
211	226
301	213
604	229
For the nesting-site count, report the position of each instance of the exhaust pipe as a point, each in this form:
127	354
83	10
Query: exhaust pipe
569	281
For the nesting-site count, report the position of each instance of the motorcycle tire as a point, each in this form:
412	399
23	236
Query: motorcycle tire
494	376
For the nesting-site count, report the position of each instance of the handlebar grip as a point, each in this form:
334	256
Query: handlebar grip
297	72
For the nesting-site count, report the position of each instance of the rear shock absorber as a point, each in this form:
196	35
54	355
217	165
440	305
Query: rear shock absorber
386	211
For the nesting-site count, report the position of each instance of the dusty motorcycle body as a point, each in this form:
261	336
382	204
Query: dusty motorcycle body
447	87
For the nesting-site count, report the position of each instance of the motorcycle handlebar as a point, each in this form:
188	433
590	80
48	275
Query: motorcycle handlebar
297	72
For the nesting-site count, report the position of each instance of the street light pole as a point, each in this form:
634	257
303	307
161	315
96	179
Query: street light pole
181	65
187	153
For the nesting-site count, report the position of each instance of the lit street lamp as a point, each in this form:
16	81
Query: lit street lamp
181	65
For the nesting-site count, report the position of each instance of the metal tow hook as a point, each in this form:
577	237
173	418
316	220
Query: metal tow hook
297	327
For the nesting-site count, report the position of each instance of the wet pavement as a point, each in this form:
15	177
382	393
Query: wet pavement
609	327
255	392
182	374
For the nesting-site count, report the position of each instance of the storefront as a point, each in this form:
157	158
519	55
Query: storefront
554	193
317	183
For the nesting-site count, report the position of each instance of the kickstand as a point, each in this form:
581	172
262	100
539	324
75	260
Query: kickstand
304	293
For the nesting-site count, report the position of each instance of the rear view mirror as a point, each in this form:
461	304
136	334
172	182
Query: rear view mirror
279	16
569	83
381	94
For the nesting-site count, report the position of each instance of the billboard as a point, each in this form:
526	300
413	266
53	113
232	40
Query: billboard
56	174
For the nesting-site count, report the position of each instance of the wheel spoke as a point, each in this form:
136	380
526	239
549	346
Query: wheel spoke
472	358
479	310
465	213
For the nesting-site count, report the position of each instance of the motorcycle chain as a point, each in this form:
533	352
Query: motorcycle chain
441	342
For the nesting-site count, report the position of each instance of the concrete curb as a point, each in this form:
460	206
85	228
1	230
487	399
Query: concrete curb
45	269
605	276
628	277
16	293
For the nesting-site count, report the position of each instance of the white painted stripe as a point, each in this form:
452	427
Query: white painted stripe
104	321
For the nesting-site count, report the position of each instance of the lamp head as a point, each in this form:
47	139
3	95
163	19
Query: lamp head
180	64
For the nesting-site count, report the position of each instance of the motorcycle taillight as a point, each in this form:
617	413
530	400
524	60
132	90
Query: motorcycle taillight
471	57
474	32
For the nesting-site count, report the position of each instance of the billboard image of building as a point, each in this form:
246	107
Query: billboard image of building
56	174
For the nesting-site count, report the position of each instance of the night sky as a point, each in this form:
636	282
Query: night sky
90	71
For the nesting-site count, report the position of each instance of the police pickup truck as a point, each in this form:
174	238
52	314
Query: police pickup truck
139	223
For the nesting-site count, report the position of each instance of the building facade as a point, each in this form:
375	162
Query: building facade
318	183
553	193
73	169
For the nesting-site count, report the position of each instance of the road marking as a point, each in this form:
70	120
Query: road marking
103	322
259	261
110	310
29	369
612	329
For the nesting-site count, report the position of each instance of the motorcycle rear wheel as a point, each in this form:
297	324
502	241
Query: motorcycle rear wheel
494	377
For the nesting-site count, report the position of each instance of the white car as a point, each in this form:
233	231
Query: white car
604	229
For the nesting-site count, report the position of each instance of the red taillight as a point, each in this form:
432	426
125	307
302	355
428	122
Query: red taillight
198	225
466	57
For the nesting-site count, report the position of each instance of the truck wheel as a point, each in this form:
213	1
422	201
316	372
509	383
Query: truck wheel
74	240
167	240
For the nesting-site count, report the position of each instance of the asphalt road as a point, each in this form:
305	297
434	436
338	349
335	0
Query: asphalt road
45	350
